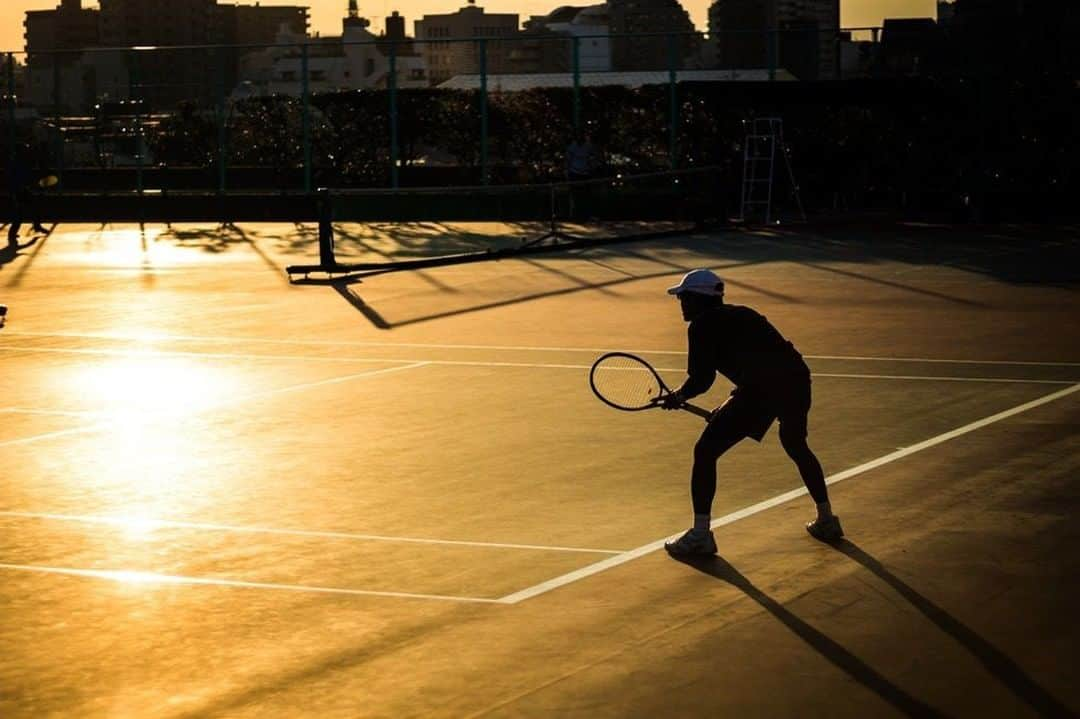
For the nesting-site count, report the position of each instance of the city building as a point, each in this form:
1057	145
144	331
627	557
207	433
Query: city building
446	58
256	24
547	42
656	52
803	34
355	60
56	78
161	77
909	46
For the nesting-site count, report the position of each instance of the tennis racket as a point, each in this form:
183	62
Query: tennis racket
629	383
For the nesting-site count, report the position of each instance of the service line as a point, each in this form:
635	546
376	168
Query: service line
502	348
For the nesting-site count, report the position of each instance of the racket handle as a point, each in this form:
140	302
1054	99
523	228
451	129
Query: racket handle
699	411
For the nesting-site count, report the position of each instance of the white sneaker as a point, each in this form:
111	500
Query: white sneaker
827	530
692	544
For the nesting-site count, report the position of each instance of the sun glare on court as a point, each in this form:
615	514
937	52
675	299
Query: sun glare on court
148	388
137	528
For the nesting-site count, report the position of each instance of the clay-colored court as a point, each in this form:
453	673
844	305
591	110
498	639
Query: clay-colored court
223	495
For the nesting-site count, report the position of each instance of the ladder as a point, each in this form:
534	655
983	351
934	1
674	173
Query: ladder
763	141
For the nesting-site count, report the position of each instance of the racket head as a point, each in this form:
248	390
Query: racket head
627	382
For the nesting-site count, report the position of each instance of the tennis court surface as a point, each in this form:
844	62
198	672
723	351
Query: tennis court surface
224	494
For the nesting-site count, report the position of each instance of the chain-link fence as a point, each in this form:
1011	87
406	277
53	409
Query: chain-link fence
862	120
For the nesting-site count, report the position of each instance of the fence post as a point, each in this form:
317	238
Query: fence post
58	139
222	169
392	86
133	84
483	113
673	97
12	134
771	42
577	84
306	115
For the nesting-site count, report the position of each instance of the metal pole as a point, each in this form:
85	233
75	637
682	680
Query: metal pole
577	84
673	111
58	139
483	114
222	139
134	84
12	135
771	40
392	86
306	113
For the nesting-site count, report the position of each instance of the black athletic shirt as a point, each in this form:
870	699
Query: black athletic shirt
740	344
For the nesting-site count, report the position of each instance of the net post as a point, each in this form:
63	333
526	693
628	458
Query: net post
326	230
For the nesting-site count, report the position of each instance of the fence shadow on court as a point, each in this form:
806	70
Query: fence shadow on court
1041	256
996	662
831	650
218	240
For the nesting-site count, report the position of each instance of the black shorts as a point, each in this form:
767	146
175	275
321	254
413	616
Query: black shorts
749	412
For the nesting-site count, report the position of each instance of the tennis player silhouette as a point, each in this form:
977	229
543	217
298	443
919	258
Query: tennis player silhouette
772	382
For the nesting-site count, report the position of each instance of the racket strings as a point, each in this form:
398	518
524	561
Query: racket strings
626	382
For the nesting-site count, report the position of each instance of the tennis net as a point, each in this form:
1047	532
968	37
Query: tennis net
411	227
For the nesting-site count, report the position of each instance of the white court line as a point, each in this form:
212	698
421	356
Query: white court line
466	363
51	435
129	577
104	424
47	412
150	524
508	348
641	551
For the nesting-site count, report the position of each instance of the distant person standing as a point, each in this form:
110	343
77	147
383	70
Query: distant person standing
582	158
582	162
22	184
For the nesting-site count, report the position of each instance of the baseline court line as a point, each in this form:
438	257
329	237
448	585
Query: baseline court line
130	577
106	423
151	524
522	348
603	565
470	363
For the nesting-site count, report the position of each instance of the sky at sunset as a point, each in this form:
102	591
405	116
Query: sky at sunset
326	14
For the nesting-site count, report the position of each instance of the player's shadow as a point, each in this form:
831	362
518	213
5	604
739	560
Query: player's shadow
997	663
831	650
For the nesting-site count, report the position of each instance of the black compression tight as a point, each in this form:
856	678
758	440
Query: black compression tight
715	441
809	466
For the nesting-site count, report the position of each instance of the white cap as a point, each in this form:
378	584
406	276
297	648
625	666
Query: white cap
701	282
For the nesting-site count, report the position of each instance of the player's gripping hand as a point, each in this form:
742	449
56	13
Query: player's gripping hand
674	400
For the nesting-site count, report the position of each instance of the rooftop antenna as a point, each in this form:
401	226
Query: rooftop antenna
354	19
